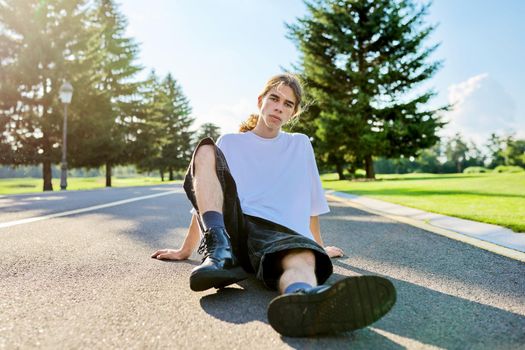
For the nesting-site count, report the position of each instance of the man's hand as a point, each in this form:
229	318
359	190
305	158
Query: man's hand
171	254
334	252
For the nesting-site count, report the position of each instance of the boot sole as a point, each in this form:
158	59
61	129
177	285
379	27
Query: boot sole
349	304
203	280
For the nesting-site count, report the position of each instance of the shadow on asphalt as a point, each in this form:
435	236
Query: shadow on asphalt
239	305
421	315
47	203
160	223
363	237
439	319
187	262
248	303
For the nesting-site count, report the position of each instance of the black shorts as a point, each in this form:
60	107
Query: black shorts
259	244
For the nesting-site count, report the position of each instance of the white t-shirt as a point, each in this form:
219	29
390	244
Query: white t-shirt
277	179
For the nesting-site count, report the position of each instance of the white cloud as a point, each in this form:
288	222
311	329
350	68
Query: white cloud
481	106
227	116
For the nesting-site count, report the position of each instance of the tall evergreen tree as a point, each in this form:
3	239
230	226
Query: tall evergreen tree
208	130
150	128
177	113
41	44
360	59
112	103
167	135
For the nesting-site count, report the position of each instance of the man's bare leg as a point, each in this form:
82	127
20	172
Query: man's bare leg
349	304
298	267
208	191
219	267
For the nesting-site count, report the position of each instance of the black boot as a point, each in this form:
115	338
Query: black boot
349	304
219	266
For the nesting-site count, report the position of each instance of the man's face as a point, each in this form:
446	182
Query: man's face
277	106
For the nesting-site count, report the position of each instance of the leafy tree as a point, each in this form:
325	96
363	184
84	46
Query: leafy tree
452	155
514	153
456	151
41	43
428	160
360	59
475	156
495	146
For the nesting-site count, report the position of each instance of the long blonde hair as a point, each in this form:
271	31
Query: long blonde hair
287	79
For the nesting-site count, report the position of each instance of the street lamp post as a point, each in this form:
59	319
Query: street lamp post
66	93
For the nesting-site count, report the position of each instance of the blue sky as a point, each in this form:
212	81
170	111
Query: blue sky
222	52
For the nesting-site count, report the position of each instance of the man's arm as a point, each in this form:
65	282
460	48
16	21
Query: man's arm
184	252
315	228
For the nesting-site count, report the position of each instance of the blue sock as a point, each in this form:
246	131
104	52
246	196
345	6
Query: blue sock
212	219
297	286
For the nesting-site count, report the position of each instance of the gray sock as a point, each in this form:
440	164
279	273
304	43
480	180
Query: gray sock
212	219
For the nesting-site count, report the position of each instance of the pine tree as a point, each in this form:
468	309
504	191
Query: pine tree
208	130
166	134
360	59
41	44
177	152
111	107
151	136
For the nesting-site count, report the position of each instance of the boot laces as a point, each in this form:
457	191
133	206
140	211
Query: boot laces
206	246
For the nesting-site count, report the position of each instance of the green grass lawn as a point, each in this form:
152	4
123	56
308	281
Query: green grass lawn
492	198
30	185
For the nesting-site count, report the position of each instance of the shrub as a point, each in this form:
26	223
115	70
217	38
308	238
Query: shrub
508	169
475	170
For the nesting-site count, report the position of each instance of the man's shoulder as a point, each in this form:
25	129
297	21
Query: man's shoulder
297	137
231	137
301	136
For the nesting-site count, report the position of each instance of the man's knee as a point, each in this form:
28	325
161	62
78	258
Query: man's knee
298	257
205	154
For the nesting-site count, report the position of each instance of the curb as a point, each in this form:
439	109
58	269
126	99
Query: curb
350	200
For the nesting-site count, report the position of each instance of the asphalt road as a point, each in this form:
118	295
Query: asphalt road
86	280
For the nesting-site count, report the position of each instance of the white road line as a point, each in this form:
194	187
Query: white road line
405	342
83	210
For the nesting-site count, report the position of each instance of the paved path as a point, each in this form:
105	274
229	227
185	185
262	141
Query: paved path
494	238
85	280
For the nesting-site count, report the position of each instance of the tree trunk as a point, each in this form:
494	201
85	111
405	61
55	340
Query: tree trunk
161	175
340	171
352	169
171	174
369	164
108	174
47	175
